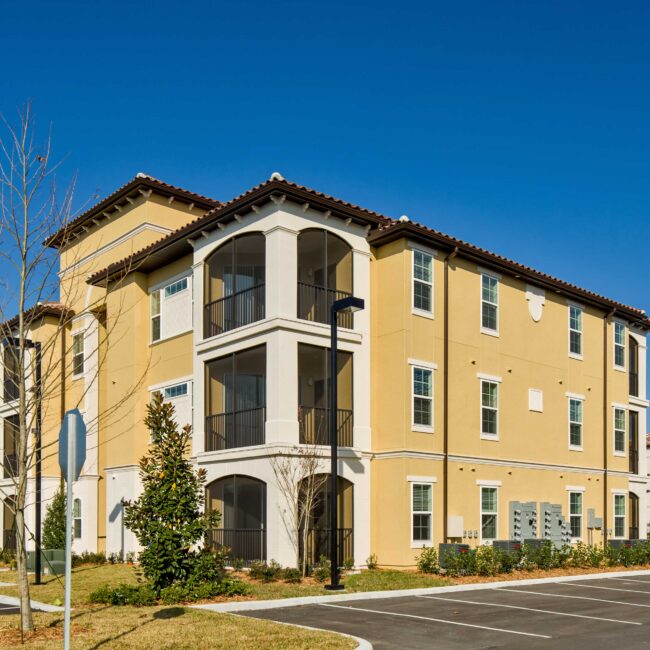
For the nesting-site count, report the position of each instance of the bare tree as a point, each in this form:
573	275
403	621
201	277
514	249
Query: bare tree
36	312
299	478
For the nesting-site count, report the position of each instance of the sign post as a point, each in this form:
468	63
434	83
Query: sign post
72	455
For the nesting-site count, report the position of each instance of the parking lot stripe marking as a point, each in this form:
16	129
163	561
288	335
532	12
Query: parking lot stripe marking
436	620
643	582
631	591
545	593
531	609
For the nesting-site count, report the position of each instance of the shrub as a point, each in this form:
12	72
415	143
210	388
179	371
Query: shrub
348	563
487	561
54	522
130	557
137	595
323	570
237	563
427	561
372	561
265	572
7	556
88	558
291	575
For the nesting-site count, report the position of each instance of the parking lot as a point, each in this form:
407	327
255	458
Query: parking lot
595	613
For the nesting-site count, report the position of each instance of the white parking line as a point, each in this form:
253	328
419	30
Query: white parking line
437	620
630	591
545	593
532	609
643	582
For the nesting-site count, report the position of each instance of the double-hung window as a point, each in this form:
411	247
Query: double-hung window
489	408
489	513
619	431
421	513
619	515
155	315
77	354
619	345
575	423
575	514
76	516
575	331
489	303
422	282
422	398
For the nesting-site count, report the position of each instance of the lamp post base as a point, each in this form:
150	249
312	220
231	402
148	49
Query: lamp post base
338	587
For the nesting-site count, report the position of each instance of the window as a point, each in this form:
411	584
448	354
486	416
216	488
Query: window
422	397
179	390
575	423
77	354
76	516
619	345
633	368
175	287
575	331
489	513
421	513
489	408
422	281
619	431
575	514
489	303
619	515
155	316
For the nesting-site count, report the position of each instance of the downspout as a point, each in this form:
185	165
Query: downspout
445	382
62	389
605	421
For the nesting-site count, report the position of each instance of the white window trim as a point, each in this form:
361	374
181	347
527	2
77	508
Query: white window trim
622	368
489	436
493	378
487	484
421	543
421	479
152	316
78	375
577	398
428	365
497	277
422	428
617	452
575	355
415	310
624	494
580	491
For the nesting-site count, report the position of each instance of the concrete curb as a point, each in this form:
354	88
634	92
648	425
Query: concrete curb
40	607
257	605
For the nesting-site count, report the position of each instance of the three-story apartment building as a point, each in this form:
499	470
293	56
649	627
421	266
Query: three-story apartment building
479	399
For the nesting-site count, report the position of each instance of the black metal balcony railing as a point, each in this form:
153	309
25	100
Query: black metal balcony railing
633	532
9	539
235	429
314	426
314	304
634	461
247	544
318	545
236	310
10	465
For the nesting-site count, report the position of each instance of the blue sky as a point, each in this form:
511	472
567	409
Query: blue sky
520	126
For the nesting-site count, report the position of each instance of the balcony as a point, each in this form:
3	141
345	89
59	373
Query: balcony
634	366
314	304
233	311
10	375
10	465
236	429
9	539
318	545
314	426
633	442
247	544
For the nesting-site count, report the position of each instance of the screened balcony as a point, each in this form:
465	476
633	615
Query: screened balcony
10	378
241	500
236	400
634	366
234	285
10	435
318	523
313	396
324	275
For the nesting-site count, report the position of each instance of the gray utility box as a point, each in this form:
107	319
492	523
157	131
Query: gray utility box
536	543
507	545
52	561
592	520
552	523
621	543
523	519
445	550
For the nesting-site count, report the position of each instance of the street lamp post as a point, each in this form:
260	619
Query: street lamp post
345	305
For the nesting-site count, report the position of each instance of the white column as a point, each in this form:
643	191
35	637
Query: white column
198	385
91	386
281	272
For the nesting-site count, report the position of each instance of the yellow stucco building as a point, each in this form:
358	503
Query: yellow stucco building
479	399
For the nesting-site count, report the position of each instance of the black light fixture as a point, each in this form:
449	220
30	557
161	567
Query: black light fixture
344	305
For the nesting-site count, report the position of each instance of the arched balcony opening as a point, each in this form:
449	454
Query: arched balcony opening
634	366
234	285
241	500
324	275
318	520
9	523
634	516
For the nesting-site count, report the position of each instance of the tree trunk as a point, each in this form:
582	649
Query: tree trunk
26	621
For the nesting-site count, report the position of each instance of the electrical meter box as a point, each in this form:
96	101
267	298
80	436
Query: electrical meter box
523	520
553	525
620	543
592	520
507	545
